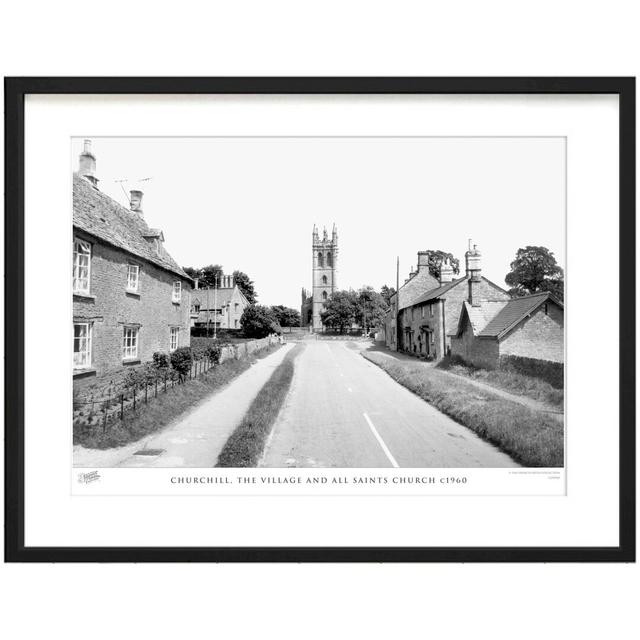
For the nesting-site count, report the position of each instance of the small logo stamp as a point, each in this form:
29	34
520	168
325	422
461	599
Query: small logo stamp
86	478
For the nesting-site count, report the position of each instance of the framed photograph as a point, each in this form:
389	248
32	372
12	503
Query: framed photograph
320	319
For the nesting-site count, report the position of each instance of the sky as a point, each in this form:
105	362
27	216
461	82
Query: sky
251	203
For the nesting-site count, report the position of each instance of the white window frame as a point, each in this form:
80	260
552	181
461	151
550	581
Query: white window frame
77	244
130	342
133	268
86	364
176	294
174	332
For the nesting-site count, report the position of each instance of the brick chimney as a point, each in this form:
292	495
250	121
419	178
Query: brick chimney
473	262
135	201
87	164
446	271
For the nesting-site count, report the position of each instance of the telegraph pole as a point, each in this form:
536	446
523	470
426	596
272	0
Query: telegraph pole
398	332
215	306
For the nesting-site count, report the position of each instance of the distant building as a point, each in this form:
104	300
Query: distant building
220	307
429	309
130	298
323	278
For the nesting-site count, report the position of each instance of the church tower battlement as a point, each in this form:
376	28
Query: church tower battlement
323	275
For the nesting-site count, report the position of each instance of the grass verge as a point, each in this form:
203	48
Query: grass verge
531	438
246	444
166	407
510	381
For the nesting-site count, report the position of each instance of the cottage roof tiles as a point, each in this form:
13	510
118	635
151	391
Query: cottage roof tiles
513	312
102	217
479	317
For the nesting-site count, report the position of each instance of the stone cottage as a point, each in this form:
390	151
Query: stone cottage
130	298
530	328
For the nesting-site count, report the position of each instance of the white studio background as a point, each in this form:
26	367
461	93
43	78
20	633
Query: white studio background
335	38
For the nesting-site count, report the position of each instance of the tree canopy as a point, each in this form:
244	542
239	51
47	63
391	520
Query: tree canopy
371	308
343	309
387	293
535	269
208	277
258	321
286	316
246	285
436	257
340	310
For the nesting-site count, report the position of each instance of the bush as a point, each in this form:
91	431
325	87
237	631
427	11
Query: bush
181	360
258	322
213	352
161	360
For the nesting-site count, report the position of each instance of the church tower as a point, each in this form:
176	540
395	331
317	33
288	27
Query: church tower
325	262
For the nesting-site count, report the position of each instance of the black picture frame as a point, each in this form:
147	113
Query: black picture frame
15	91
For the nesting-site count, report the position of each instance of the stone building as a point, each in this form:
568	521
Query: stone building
130	298
526	328
221	307
429	309
323	278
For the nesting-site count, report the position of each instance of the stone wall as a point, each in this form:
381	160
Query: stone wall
239	350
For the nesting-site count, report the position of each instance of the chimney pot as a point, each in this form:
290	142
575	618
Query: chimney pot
135	200
87	164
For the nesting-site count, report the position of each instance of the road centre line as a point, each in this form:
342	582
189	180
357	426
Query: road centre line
384	447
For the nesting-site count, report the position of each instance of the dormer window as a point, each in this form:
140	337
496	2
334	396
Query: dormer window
177	292
81	266
133	273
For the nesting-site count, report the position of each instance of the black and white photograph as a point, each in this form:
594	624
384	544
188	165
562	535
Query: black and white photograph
319	302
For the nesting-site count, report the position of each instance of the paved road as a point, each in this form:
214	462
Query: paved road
343	411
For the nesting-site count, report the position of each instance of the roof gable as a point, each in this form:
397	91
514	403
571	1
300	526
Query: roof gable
514	312
105	219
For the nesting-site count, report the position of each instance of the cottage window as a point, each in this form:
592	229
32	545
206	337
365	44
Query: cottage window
173	339
133	273
422	312
431	311
177	291
130	343
81	345
81	266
